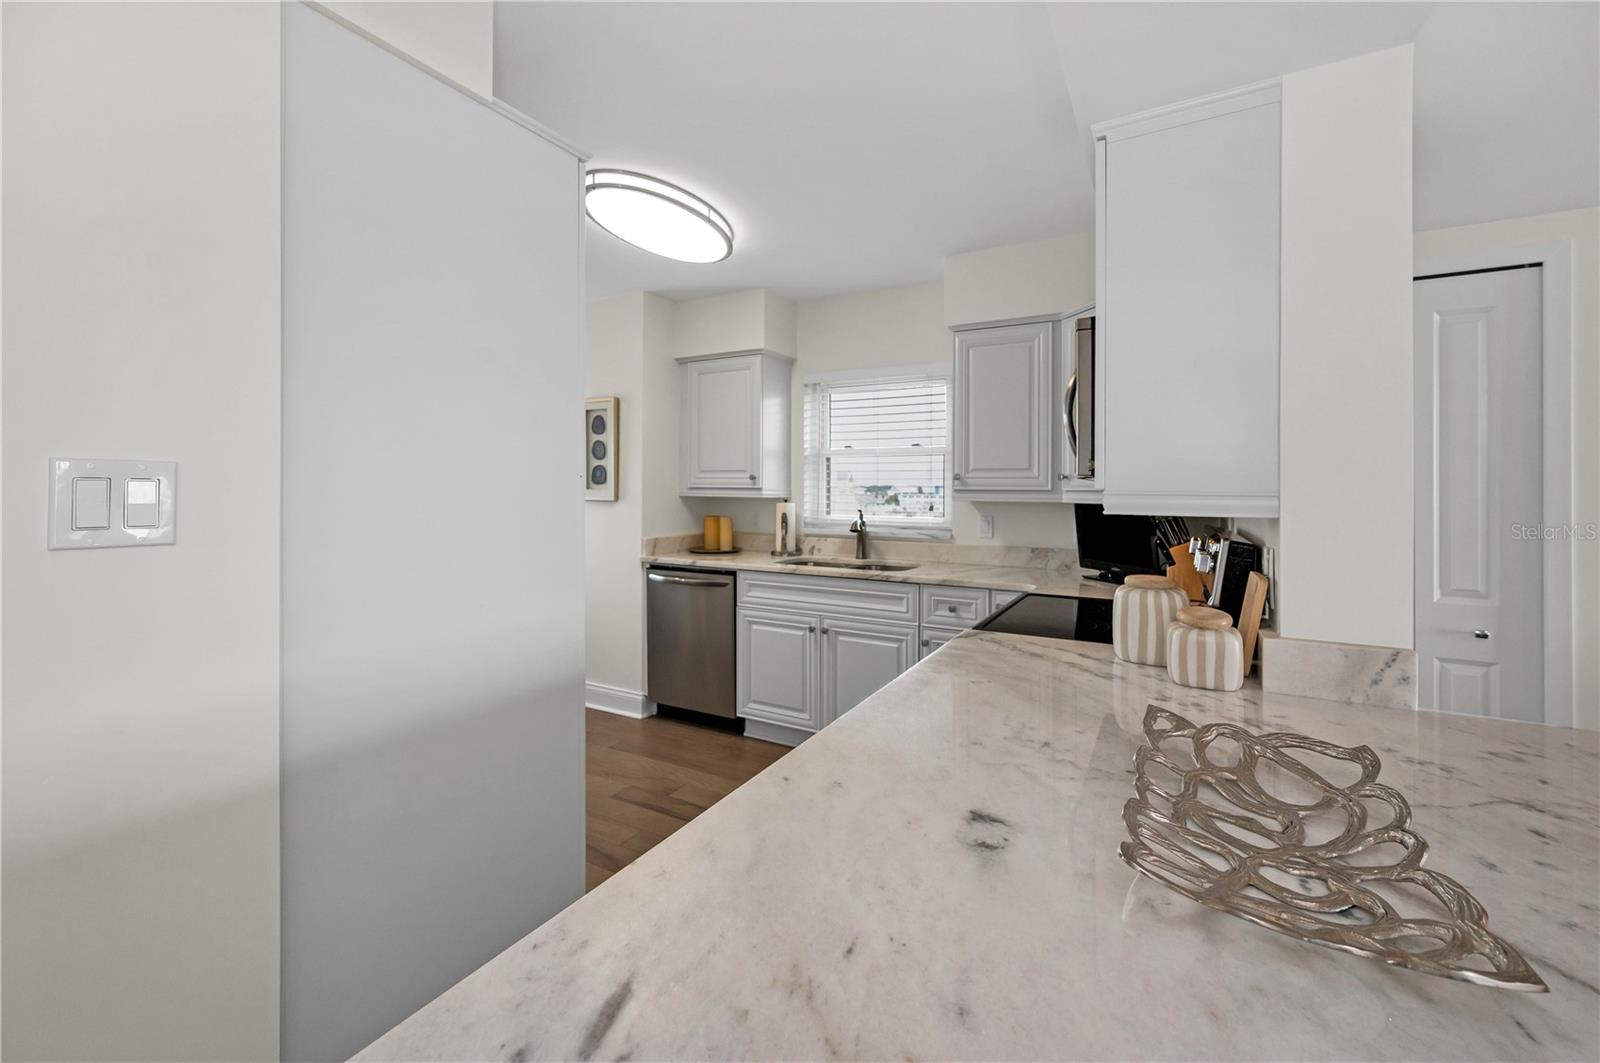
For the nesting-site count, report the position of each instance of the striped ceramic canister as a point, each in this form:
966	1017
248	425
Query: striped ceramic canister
1140	612
1205	650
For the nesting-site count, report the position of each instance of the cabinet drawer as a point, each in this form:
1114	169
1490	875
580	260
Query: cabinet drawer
836	597
954	606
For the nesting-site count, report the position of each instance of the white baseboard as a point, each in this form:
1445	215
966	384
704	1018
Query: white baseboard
772	732
617	700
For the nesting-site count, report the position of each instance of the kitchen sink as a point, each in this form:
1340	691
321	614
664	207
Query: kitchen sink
862	566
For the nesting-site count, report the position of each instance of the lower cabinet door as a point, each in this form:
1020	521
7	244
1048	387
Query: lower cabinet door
778	668
933	638
860	657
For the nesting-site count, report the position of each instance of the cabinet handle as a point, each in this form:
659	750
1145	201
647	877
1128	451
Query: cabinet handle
811	628
924	643
950	608
752	477
1480	634
957	477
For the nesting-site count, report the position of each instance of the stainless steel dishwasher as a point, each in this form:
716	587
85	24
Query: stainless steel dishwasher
690	639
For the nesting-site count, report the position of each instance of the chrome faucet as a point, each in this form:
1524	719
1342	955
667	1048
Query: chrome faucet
858	528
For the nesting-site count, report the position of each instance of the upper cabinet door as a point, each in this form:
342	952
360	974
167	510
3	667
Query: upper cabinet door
734	425
1187	312
1004	400
722	423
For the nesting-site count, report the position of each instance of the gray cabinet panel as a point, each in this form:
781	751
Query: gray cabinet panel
722	423
734	425
859	658
778	668
1005	400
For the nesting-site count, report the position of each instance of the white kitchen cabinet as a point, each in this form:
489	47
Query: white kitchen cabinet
859	657
1187	266
811	648
734	425
933	638
1006	411
777	665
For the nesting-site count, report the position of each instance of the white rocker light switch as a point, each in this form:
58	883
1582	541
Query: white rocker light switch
97	503
91	503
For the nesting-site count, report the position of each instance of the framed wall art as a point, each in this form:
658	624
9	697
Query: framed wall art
600	449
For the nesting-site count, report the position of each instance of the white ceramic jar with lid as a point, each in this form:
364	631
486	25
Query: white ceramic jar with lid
1141	611
1205	650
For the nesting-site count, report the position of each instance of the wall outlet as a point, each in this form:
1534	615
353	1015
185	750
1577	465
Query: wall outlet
985	526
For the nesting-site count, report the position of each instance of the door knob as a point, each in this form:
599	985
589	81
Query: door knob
1480	634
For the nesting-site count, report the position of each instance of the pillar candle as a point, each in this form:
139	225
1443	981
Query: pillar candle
725	538
711	538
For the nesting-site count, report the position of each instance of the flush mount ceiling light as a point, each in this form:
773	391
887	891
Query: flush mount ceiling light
657	216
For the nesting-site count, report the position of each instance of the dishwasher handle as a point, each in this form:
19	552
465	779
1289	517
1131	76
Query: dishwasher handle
662	577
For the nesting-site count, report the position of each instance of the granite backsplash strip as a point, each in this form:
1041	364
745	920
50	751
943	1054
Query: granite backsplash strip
1340	671
885	549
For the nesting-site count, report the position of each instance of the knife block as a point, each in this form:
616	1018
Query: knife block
1182	571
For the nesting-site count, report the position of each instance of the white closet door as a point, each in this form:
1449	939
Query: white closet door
432	732
1480	560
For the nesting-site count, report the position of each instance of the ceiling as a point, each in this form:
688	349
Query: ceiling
854	146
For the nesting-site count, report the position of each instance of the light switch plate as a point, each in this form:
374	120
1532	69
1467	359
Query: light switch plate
986	526
141	510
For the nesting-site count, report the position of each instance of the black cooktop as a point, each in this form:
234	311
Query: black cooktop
1083	619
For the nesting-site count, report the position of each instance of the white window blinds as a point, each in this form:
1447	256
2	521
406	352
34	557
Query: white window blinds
881	447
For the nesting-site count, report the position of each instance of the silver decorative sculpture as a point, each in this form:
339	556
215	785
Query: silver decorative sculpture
1246	826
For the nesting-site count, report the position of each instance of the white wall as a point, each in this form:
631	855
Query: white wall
613	590
665	512
1346	416
455	37
141	320
432	793
734	321
1053	276
1582	229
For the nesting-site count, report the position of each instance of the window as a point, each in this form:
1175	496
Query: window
878	444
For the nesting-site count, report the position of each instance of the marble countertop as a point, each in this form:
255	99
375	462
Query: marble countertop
935	876
1066	580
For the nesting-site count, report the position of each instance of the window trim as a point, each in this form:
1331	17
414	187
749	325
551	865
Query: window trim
814	457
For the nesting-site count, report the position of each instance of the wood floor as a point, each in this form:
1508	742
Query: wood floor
646	778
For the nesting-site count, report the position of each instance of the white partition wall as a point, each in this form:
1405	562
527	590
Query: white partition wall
432	535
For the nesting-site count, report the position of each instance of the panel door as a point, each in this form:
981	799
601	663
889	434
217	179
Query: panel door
1004	402
1187	317
778	668
1479	570
858	659
933	638
722	423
